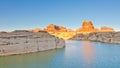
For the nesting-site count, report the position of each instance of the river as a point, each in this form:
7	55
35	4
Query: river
76	54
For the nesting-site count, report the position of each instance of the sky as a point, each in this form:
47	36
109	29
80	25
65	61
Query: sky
29	14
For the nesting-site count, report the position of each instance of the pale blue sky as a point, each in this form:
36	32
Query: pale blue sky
28	14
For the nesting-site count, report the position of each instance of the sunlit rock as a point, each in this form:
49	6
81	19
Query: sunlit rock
107	29
55	28
87	27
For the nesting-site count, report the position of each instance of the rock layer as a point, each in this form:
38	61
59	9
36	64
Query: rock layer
63	32
55	28
106	37
20	42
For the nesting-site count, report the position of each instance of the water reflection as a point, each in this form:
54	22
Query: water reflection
76	54
87	53
70	50
35	60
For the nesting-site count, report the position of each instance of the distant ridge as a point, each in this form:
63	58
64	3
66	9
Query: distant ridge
87	27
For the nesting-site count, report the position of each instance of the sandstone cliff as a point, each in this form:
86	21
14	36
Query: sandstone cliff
63	32
87	27
23	41
55	28
60	31
106	29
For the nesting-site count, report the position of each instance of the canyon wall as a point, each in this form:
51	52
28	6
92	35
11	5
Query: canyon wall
20	42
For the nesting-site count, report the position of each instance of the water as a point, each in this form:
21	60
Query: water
76	54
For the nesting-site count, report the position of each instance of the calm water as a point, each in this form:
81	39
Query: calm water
77	54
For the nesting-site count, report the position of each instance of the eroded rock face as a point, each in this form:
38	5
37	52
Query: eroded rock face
55	28
107	29
106	37
60	31
63	32
87	27
20	42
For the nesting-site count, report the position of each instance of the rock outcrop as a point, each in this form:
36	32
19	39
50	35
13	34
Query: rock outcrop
23	41
106	37
87	27
55	28
106	29
63	32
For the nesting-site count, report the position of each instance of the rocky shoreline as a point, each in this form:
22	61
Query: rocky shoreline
106	37
21	42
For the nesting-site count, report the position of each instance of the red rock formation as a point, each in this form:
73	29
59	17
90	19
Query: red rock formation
55	28
62	29
106	29
87	27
